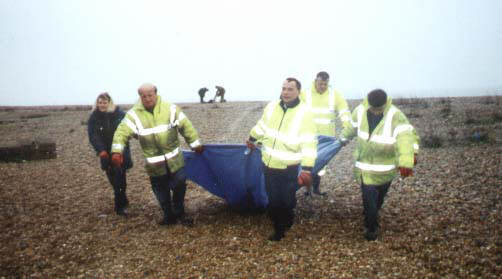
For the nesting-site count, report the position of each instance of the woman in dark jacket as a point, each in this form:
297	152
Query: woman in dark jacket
102	124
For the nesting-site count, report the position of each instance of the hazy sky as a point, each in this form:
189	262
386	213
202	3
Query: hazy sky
66	52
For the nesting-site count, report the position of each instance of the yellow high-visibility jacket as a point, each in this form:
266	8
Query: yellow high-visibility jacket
287	135
325	107
392	144
158	135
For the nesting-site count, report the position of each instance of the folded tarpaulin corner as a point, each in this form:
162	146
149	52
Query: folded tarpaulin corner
227	172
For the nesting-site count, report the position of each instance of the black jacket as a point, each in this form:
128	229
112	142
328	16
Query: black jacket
101	127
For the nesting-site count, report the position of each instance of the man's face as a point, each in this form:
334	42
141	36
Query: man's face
103	104
289	91
376	110
321	85
148	97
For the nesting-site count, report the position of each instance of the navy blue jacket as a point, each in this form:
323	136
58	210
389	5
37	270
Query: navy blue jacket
101	127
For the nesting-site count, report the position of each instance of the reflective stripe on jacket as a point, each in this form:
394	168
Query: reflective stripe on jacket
158	135
288	136
391	144
325	107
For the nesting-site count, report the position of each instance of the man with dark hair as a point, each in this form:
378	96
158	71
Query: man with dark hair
287	135
382	151
202	93
323	76
325	104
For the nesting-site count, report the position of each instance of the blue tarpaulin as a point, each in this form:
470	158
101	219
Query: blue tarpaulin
225	171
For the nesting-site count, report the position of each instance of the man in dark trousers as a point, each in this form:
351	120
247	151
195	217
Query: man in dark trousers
202	93
157	124
220	92
288	138
386	144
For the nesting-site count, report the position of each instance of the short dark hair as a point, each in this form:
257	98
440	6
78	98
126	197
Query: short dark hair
377	98
323	76
298	84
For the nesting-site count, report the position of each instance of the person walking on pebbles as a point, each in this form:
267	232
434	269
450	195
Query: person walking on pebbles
386	143
288	138
157	124
101	126
326	104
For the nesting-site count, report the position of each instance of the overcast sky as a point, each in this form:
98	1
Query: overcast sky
66	52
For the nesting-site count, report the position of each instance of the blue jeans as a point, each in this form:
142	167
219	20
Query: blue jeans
163	185
281	186
373	199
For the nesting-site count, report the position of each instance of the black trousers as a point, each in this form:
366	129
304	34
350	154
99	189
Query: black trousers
281	186
373	199
316	181
162	186
117	178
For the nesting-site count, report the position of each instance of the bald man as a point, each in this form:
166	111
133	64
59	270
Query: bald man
157	123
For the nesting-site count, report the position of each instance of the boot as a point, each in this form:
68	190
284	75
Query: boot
279	220
316	186
371	234
317	192
290	217
278	232
169	218
276	236
167	222
185	220
119	207
122	212
125	201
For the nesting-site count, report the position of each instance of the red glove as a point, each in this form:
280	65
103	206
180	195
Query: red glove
305	178
414	159
198	149
405	172
250	145
103	155
117	159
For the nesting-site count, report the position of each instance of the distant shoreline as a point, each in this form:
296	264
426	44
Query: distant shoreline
127	106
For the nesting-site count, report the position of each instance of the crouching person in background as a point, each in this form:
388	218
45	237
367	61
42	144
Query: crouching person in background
386	144
102	123
157	123
288	137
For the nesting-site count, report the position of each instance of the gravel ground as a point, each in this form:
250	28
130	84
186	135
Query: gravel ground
57	218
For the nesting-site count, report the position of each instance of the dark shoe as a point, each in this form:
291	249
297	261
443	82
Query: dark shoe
186	221
288	226
167	222
276	236
122	212
317	192
371	235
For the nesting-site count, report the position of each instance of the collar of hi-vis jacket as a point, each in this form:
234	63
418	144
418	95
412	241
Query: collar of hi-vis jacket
331	99
386	135
293	104
137	125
